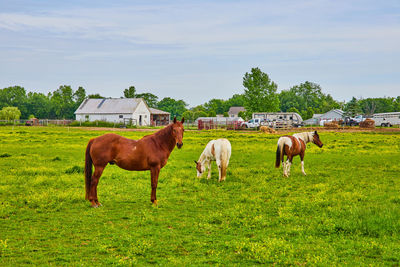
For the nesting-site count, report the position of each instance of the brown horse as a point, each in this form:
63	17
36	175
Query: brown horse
292	146
148	153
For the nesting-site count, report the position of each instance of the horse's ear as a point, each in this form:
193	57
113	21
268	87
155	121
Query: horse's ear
183	120
174	119
315	132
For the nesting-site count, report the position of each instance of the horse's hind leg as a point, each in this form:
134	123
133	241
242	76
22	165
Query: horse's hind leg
98	170
302	163
286	167
155	171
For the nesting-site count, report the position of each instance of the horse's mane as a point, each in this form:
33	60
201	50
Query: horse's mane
164	135
305	136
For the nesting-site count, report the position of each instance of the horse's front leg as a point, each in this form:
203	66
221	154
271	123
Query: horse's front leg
209	169
155	171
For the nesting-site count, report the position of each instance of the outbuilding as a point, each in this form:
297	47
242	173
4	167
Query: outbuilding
121	110
332	115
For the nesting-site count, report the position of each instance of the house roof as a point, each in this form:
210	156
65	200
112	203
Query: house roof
236	110
158	112
108	105
338	111
314	116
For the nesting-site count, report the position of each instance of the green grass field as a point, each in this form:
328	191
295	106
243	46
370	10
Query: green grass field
346	211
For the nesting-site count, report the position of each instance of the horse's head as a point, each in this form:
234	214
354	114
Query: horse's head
316	139
200	168
177	132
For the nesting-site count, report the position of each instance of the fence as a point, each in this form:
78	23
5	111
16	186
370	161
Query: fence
225	123
44	122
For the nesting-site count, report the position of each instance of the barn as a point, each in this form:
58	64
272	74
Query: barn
121	110
332	115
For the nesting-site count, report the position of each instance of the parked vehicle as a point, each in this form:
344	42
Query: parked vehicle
386	119
290	119
349	121
32	122
253	123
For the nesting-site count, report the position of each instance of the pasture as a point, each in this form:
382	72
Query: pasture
345	211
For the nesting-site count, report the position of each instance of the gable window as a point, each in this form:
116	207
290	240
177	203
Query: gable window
86	117
121	116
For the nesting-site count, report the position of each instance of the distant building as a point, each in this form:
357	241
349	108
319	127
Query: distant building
332	115
234	111
121	110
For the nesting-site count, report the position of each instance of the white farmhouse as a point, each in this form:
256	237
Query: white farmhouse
120	110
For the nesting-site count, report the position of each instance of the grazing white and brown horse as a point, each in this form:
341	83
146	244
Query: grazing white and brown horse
216	150
292	146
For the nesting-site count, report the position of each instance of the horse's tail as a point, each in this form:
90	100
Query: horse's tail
225	151
279	152
88	169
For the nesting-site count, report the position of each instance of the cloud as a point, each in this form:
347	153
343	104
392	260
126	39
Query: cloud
294	40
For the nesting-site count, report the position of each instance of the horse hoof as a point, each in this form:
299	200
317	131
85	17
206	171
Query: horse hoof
95	206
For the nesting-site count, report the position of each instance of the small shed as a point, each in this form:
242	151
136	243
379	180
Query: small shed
159	117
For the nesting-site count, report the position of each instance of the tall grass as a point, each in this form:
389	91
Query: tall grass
346	211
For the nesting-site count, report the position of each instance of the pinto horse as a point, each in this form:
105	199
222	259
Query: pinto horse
148	153
292	146
216	150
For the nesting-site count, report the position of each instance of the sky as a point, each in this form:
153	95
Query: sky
199	50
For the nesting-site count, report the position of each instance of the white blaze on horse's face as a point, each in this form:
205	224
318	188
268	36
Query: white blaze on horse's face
200	169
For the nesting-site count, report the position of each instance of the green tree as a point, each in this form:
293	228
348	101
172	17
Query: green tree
79	96
352	108
307	98
38	104
212	113
95	96
397	104
215	105
244	115
150	99
130	92
199	114
260	92
62	103
188	115
14	96
175	107
378	105
10	113
237	100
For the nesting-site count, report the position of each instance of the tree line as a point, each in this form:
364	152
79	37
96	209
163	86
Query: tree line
260	95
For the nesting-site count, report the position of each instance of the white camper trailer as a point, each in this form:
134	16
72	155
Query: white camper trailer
291	119
386	119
